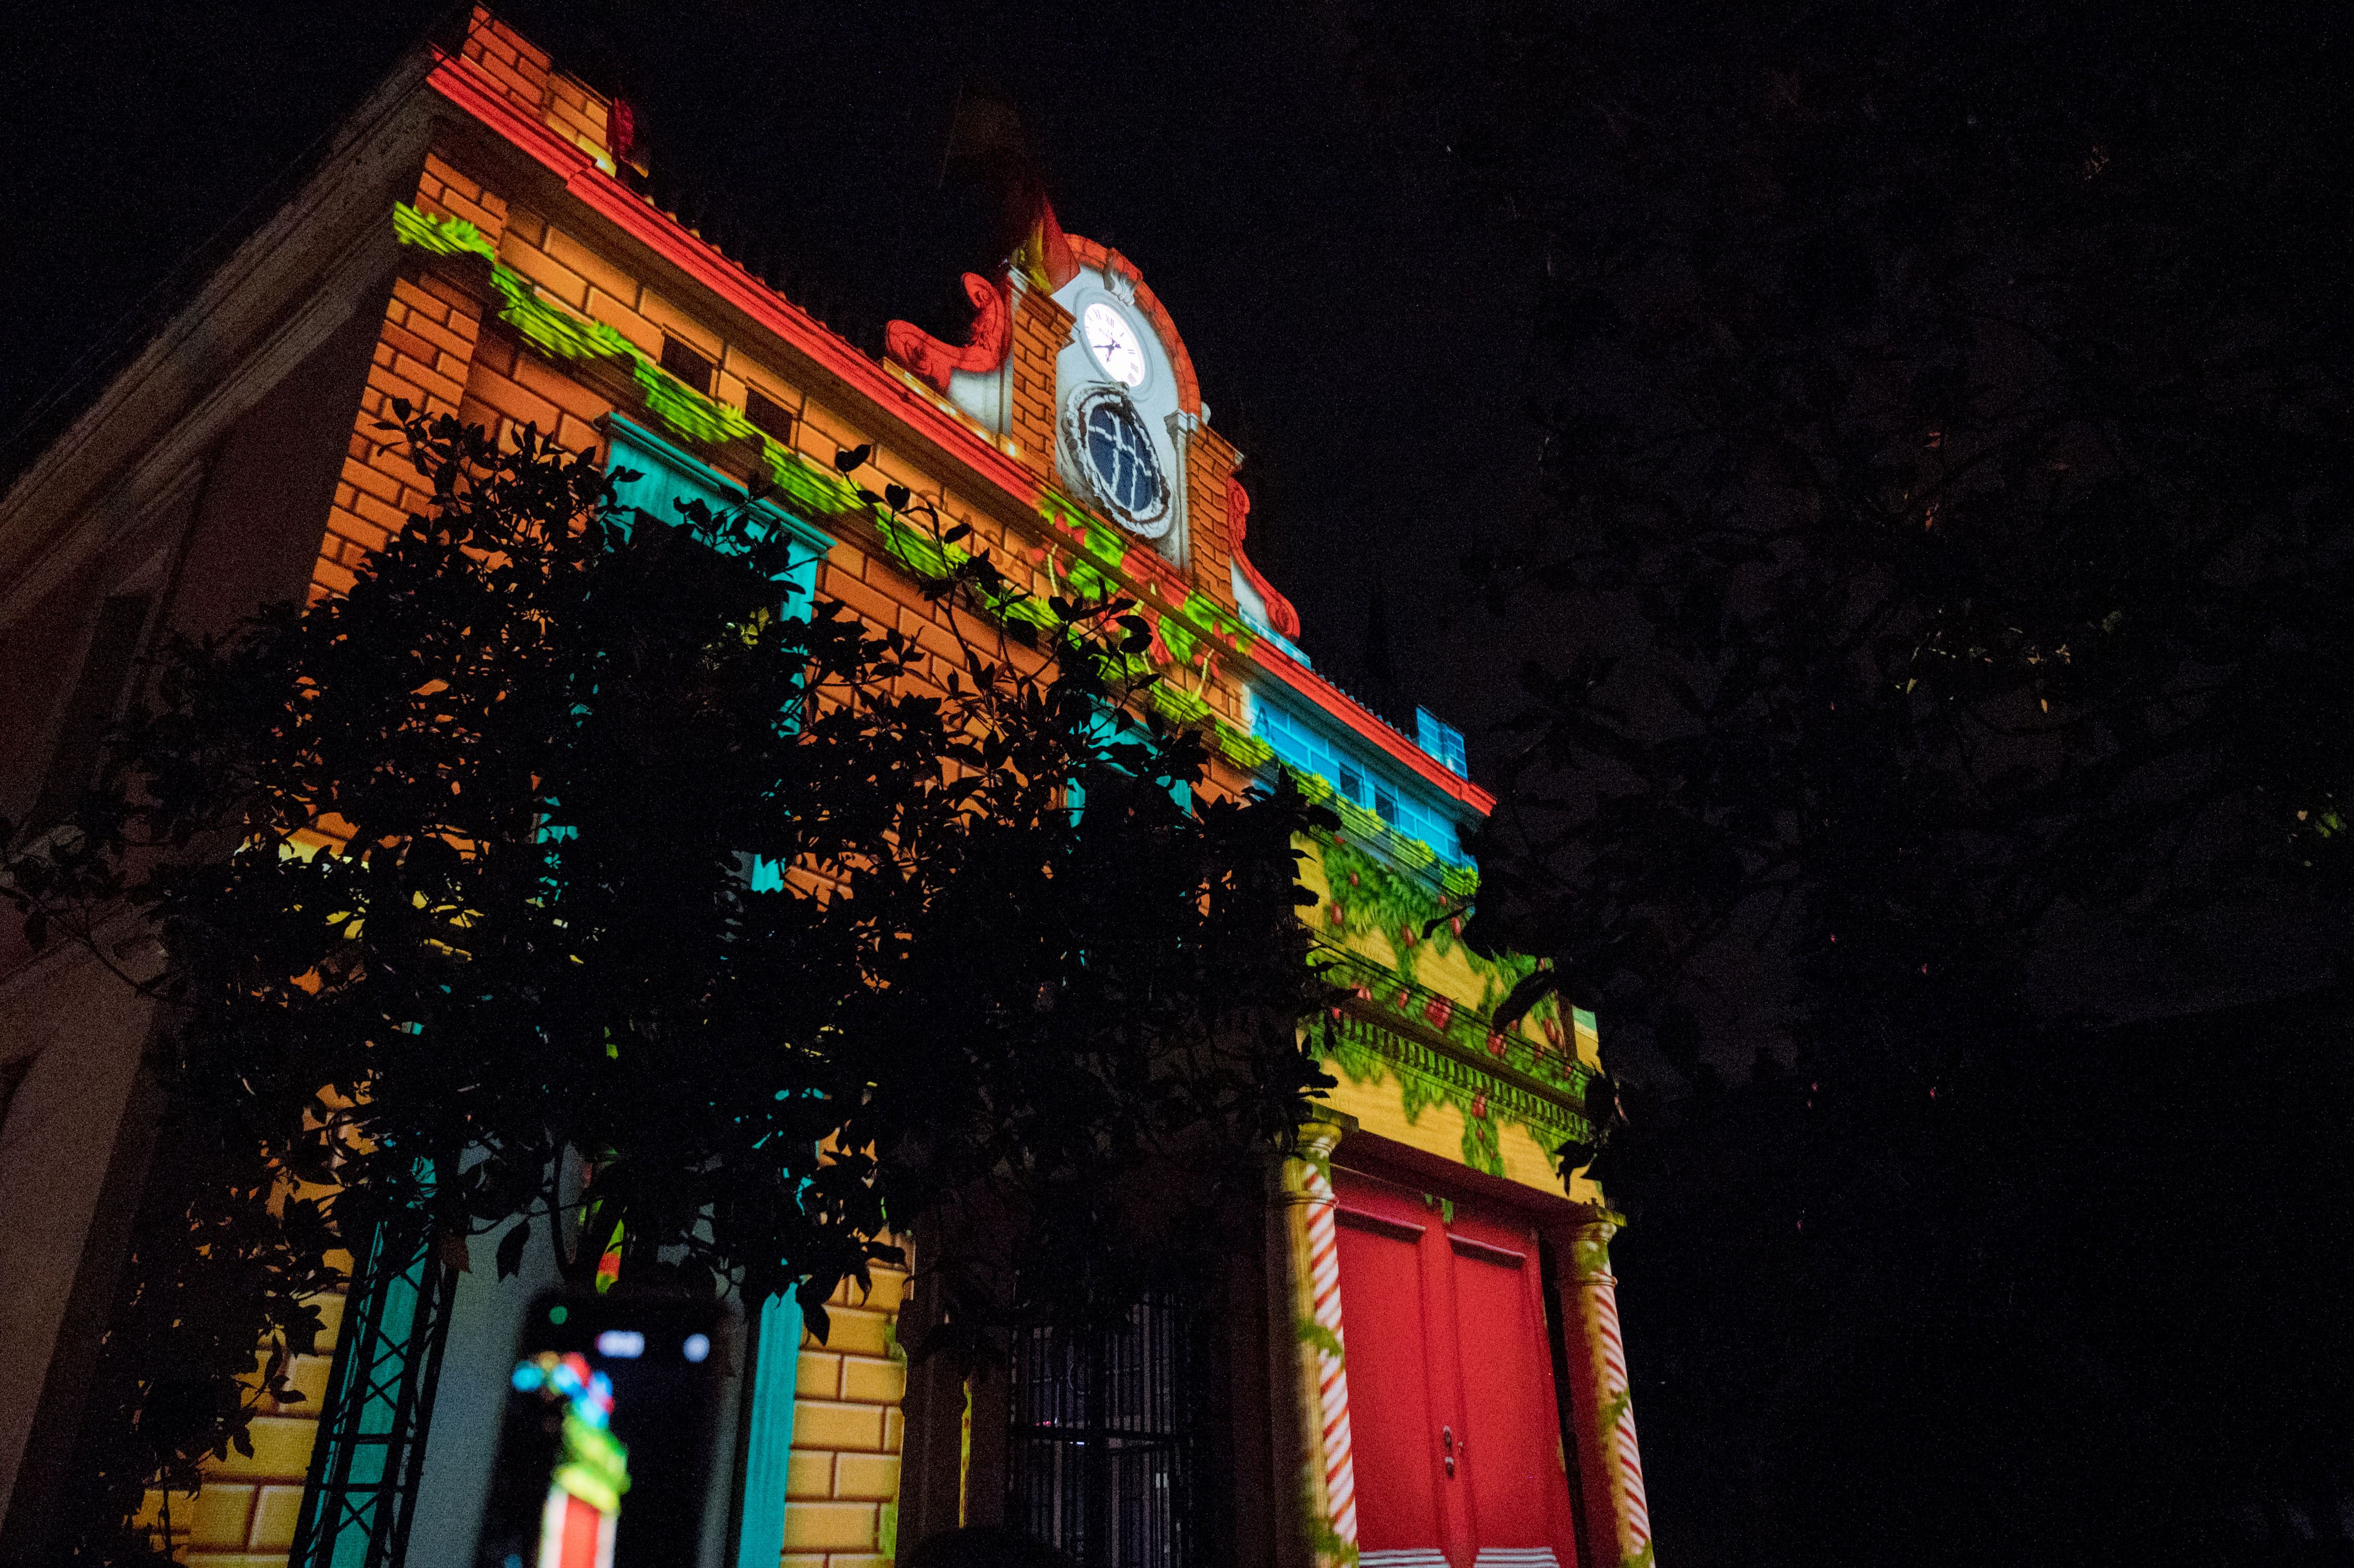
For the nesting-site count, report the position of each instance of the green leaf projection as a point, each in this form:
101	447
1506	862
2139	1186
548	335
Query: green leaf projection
1385	882
1431	1042
1183	635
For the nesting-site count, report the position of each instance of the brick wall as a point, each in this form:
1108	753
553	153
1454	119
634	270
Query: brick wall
1041	328
578	114
244	1515
523	73
1209	469
844	1482
511	63
424	354
843	1486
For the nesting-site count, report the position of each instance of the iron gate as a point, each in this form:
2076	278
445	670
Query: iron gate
1102	1451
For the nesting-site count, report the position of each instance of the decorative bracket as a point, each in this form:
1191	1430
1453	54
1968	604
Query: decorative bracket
984	347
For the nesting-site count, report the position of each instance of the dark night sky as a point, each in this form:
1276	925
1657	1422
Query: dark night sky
1359	323
1356	320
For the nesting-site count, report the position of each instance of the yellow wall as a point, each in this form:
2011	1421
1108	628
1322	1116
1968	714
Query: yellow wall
244	1516
844	1488
1379	1102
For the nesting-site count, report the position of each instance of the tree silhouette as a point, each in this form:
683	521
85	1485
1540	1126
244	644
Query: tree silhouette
562	880
1943	412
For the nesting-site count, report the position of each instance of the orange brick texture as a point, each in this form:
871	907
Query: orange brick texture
1041	328
844	1472
514	66
424	355
1209	461
578	114
521	72
432	327
244	1515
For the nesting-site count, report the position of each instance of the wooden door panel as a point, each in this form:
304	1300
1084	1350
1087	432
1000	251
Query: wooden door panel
1390	1419
1444	1315
1511	1451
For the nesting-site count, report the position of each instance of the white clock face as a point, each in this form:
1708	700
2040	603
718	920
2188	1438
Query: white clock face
1113	341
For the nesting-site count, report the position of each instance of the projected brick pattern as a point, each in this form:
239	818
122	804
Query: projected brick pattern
844	1485
244	1516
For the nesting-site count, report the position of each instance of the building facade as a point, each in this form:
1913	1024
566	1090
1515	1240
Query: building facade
1420	1362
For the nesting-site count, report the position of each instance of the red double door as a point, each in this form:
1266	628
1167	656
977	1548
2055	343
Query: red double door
1452	1417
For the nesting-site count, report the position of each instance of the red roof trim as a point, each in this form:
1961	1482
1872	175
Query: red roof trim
1341	705
459	82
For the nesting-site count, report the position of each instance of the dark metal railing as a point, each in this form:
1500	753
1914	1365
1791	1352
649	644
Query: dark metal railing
370	1449
1102	1457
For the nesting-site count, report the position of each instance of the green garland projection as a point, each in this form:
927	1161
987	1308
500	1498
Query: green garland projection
1391	892
1372	894
1185	633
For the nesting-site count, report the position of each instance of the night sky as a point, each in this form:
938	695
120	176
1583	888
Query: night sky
2169	1203
1357	318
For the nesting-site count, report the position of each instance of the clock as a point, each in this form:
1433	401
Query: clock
1111	338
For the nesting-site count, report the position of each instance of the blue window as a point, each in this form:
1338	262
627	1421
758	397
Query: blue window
1404	804
668	477
1121	454
1442	741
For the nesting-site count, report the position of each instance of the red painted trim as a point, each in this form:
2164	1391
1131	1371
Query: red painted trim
1275	662
609	199
462	84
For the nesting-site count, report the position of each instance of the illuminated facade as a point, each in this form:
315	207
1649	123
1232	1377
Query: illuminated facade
1437	1374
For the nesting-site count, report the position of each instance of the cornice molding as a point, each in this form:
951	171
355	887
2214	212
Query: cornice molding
275	300
606	197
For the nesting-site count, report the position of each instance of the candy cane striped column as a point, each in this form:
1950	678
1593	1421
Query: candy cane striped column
1332	1376
1308	1298
1610	1462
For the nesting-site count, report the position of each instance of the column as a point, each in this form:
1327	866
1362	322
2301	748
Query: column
1315	1335
1609	1464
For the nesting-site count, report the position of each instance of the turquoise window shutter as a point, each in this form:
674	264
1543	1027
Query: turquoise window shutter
1361	775
767	1452
1112	728
667	475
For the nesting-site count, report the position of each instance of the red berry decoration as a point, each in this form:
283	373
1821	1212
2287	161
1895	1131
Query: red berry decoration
1495	1043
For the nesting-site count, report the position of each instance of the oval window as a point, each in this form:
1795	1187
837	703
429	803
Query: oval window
1119	450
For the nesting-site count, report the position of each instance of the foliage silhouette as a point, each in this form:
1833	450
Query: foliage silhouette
1944	423
563	881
